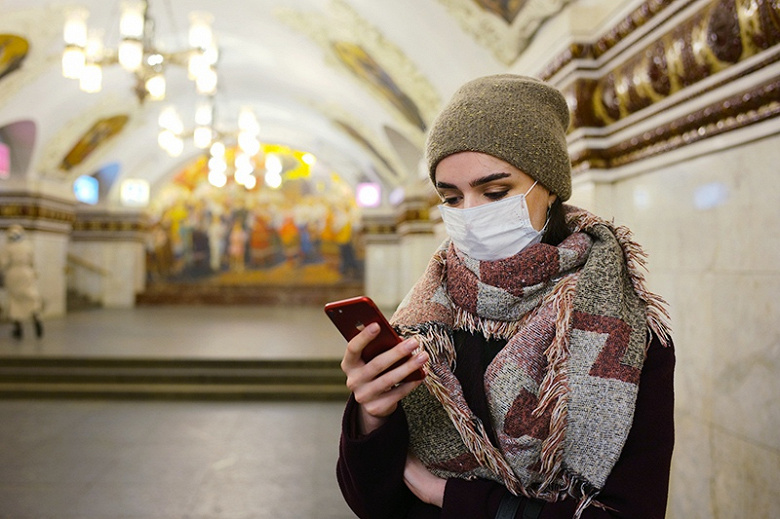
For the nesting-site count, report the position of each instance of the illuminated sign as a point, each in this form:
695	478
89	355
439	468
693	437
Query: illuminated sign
5	160
368	194
134	193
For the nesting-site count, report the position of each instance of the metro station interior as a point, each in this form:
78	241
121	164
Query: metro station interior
190	216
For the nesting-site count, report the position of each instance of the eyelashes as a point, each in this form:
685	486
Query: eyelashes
496	195
493	196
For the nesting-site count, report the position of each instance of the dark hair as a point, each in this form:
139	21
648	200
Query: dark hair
557	230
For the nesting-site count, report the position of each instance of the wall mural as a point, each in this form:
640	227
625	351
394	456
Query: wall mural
13	51
96	135
366	68
506	9
306	232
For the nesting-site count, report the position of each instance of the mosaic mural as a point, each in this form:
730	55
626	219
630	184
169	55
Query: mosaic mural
306	232
99	133
13	51
366	68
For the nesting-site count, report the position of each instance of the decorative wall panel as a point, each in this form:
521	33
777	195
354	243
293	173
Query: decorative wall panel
667	67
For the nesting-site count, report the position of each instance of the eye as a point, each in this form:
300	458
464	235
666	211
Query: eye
496	195
451	200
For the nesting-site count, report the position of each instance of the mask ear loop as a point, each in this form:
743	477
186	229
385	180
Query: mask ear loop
530	188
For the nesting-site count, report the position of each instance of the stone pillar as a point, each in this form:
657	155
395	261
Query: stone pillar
47	221
107	257
382	275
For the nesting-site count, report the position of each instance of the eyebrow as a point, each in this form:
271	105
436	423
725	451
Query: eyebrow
476	182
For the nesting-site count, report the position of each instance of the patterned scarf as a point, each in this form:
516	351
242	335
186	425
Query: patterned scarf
561	393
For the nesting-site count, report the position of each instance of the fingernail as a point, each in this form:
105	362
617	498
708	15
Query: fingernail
373	328
412	344
422	358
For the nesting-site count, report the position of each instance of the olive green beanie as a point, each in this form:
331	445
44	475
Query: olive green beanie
518	119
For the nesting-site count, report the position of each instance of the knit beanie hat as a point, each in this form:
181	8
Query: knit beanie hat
518	119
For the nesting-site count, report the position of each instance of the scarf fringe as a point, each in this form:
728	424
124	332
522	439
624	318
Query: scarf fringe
583	493
472	432
489	328
553	393
586	500
474	436
554	389
658	319
434	339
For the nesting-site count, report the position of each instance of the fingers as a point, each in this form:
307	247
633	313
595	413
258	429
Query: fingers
357	344
380	394
383	402
379	385
387	370
391	367
426	486
392	358
352	357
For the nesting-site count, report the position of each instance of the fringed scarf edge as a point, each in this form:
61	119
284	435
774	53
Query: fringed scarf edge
658	318
433	338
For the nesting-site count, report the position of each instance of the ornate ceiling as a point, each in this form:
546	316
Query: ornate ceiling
354	82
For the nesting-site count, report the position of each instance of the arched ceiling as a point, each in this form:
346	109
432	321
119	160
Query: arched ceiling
355	82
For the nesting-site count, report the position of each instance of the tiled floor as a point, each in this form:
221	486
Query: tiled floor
245	332
172	460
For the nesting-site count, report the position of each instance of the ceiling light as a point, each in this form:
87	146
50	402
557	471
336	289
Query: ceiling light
137	51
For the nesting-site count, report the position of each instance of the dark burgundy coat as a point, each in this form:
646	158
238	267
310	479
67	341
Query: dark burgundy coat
370	468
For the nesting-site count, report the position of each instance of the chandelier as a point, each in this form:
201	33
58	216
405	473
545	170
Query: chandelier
230	152
85	55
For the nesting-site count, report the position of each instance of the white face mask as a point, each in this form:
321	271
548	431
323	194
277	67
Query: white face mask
492	231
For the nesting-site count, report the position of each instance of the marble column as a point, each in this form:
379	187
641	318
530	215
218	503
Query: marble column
382	250
418	241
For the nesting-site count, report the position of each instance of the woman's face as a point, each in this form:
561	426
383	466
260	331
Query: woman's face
469	178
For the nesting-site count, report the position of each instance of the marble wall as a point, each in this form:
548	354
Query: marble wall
684	150
710	224
50	265
109	273
107	256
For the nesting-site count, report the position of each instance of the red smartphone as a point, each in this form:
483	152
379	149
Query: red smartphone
352	315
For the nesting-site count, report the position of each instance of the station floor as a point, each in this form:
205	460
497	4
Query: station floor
103	459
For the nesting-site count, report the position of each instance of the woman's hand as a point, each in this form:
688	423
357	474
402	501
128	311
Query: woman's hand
427	487
377	392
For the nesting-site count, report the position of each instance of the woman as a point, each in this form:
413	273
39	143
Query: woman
21	281
549	366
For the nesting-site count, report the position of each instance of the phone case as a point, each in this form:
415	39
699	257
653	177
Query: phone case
352	315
